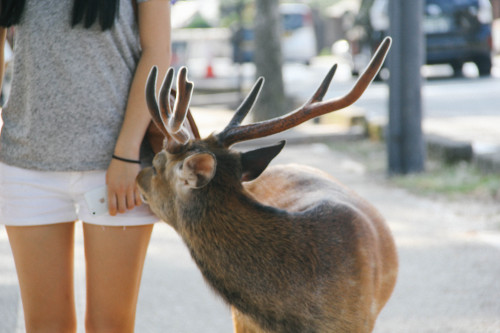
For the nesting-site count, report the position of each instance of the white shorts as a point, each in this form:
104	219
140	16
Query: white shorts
30	197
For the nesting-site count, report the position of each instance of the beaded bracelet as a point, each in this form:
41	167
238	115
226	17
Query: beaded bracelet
125	159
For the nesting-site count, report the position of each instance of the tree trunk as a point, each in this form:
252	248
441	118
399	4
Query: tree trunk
268	60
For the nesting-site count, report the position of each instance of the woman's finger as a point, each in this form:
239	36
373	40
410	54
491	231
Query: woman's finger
138	200
112	204
131	198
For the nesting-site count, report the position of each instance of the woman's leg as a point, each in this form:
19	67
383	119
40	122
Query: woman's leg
115	258
44	262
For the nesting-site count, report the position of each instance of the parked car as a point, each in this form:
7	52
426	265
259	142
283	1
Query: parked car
298	40
456	31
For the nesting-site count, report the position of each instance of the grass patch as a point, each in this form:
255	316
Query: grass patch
458	181
453	181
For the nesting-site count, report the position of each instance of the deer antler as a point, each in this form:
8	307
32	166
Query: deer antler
170	122
314	107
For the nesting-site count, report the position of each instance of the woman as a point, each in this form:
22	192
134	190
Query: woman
74	122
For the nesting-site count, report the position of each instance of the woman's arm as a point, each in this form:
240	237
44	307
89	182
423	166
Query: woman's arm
154	30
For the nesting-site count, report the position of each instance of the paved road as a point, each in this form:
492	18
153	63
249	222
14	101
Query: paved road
459	108
448	278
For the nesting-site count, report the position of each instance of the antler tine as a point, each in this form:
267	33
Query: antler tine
192	125
313	108
323	88
246	105
165	99
166	87
152	103
184	93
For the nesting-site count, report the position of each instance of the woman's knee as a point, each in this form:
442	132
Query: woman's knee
61	323
109	324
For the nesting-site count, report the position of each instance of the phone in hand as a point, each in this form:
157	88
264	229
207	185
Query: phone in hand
97	200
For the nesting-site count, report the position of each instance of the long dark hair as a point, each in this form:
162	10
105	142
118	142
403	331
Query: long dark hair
86	12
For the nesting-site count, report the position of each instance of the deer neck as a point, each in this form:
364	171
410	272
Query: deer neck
226	216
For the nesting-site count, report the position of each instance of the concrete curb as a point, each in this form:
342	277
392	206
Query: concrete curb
488	163
450	151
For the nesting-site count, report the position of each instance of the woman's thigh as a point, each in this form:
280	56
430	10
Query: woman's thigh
43	256
114	258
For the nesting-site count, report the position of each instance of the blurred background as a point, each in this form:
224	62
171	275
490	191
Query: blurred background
220	33
218	40
226	44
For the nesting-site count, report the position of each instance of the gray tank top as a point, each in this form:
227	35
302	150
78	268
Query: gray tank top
69	89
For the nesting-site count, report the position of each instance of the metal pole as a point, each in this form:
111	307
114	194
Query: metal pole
406	150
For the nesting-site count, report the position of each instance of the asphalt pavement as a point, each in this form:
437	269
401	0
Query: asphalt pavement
449	267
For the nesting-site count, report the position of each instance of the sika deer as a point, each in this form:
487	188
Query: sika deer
291	249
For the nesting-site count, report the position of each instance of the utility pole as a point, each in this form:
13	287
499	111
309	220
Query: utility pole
405	143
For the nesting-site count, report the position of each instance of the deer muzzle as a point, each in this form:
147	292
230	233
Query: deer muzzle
143	181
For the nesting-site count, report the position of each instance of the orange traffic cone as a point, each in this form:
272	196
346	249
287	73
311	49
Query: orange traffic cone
209	72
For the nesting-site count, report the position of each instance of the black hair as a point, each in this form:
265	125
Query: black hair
89	10
10	12
86	12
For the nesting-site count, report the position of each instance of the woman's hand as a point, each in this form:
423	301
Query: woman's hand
123	193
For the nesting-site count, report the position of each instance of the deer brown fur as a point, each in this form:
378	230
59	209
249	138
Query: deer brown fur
290	249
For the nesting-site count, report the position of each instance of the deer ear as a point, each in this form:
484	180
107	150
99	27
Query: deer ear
254	162
198	170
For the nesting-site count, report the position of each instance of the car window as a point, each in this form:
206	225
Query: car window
292	21
450	5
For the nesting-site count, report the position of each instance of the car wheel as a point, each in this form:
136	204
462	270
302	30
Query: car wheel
483	64
457	68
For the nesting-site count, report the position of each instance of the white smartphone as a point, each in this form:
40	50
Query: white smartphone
97	200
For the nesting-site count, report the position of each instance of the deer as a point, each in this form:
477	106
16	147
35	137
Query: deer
287	247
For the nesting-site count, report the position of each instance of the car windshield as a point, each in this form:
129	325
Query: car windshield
292	21
450	5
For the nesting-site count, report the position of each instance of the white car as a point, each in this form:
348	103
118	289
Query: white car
298	41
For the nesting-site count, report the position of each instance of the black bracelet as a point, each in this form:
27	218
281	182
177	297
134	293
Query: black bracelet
125	159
